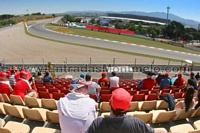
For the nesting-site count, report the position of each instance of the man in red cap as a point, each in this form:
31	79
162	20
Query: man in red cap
5	87
118	122
23	88
180	81
166	81
103	82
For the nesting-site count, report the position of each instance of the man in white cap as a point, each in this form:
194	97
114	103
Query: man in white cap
76	109
118	122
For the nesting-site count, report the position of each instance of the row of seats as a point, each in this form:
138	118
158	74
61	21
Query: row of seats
142	97
35	114
186	128
31	102
16	127
160	116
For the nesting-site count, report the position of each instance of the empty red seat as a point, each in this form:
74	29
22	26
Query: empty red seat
155	90
52	90
41	89
178	95
138	97
114	88
152	96
43	94
104	88
93	96
105	97
65	91
146	92
132	92
57	96
105	92
165	91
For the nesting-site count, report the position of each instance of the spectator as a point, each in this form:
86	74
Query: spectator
93	87
39	78
82	77
197	76
32	83
180	81
76	110
47	78
184	68
103	81
12	80
114	80
165	82
23	88
4	85
186	104
173	79
148	83
159	78
118	122
198	100
192	81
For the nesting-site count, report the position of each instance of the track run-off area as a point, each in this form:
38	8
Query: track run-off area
39	30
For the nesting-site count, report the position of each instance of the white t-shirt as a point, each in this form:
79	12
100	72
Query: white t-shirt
92	88
76	112
114	81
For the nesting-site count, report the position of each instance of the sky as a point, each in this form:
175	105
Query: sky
188	9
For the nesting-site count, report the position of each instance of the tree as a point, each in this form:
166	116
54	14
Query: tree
139	28
92	21
53	15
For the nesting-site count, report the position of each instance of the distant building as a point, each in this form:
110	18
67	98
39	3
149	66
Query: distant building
132	17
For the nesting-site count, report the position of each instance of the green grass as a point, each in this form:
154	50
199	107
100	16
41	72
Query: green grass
122	38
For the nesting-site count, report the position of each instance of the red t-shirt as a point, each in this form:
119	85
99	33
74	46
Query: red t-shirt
21	87
148	83
103	82
4	88
179	82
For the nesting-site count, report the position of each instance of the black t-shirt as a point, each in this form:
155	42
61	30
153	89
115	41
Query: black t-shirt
193	82
124	124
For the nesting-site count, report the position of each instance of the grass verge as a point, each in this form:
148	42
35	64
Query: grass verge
120	38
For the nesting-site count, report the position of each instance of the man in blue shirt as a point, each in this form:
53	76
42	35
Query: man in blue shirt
165	82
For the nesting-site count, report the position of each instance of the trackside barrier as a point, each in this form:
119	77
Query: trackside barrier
110	30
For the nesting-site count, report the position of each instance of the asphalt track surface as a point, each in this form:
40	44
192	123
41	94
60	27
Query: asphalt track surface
39	30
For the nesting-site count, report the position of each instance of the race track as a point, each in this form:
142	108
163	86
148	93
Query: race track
38	29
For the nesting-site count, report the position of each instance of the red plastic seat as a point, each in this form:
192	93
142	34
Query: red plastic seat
155	90
178	95
104	88
175	90
165	91
152	96
52	90
138	97
43	94
114	88
93	96
146	92
57	96
41	89
65	91
132	92
105	92
105	97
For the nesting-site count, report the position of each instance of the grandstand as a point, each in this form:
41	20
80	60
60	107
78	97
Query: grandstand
40	114
132	17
